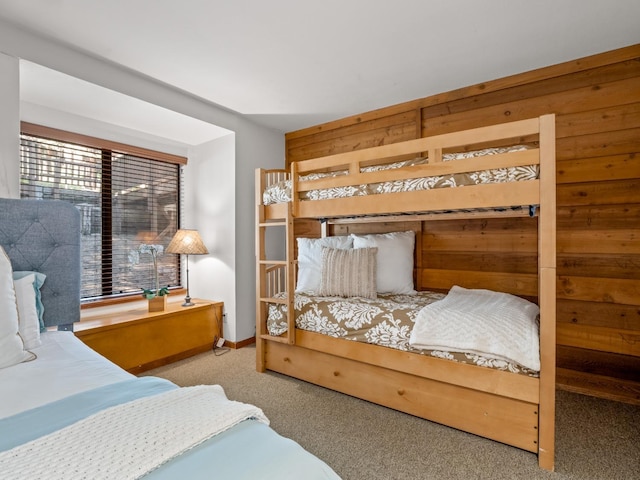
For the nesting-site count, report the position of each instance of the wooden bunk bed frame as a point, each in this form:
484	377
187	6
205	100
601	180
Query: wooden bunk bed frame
510	408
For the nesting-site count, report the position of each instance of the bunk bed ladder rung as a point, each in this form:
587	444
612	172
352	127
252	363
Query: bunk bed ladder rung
273	338
273	224
272	262
282	301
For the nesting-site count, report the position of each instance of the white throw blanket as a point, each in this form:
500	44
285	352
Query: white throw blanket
129	440
492	324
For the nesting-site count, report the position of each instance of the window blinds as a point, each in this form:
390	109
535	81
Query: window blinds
124	201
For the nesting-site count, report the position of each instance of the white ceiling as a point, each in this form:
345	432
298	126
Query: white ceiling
290	64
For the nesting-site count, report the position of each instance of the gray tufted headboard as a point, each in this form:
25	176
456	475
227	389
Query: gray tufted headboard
44	236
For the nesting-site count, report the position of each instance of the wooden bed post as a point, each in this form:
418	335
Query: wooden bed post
547	291
260	271
290	276
294	190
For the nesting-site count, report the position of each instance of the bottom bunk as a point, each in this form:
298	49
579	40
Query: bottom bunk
411	352
479	327
371	335
495	404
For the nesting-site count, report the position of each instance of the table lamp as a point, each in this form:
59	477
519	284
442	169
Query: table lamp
187	242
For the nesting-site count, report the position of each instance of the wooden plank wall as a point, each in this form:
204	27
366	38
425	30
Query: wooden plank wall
597	105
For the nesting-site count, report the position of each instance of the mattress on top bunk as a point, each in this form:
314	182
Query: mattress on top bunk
281	191
387	320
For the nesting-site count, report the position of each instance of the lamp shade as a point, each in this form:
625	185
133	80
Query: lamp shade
187	242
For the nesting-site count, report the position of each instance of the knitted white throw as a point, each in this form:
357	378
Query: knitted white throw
129	440
482	322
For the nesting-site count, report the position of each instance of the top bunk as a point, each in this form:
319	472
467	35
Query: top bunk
504	169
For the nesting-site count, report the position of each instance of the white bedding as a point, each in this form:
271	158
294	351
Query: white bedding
54	375
487	323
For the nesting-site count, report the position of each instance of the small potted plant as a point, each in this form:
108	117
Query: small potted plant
157	296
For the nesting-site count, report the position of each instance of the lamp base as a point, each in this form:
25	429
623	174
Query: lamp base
188	302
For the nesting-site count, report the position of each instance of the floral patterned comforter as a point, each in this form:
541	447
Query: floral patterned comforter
281	191
385	321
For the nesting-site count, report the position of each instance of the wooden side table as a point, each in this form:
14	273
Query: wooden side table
138	340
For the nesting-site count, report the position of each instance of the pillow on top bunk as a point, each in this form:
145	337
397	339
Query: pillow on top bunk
11	345
348	273
310	260
394	261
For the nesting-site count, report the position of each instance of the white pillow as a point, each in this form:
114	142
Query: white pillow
27	312
11	345
395	260
310	260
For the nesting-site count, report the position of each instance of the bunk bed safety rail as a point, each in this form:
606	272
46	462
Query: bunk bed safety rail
422	168
275	281
375	165
489	161
272	177
511	133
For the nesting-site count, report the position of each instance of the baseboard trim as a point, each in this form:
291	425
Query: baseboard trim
240	344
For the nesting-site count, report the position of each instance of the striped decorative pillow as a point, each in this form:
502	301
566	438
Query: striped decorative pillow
348	273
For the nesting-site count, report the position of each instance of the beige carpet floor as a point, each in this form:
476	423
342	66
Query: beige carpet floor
595	439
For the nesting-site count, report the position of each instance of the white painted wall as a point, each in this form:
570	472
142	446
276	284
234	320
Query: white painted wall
258	148
210	207
9	127
254	146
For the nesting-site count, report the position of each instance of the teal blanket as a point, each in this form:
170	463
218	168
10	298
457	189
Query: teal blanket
29	425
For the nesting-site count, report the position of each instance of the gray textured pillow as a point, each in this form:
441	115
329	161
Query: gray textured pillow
348	273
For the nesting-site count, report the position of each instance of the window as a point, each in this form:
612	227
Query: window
126	197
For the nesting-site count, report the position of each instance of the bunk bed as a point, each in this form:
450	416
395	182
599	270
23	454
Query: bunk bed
474	173
68	412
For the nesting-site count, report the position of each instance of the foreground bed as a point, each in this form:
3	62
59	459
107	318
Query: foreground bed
499	404
65	408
